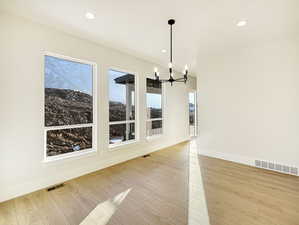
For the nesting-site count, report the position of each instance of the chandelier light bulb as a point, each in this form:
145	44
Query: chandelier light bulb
156	69
89	16
242	23
186	67
170	65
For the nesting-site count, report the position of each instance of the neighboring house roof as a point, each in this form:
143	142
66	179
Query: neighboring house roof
126	79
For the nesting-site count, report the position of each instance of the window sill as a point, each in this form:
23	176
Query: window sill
70	156
113	147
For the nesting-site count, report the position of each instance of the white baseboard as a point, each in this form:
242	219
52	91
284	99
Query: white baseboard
21	189
238	159
229	157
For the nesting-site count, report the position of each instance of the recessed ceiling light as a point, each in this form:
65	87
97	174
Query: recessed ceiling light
163	51
89	16
242	23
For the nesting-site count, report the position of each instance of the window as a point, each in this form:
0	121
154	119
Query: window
121	107
154	107
69	107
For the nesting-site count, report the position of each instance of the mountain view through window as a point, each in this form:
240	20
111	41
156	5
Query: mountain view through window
68	102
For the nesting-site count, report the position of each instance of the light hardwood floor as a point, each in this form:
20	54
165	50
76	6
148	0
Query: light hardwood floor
241	195
156	190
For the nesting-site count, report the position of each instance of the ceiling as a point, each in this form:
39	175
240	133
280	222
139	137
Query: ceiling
139	27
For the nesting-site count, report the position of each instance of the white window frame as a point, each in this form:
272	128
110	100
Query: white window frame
94	119
155	119
116	146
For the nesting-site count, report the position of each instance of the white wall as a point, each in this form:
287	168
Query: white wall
22	46
249	102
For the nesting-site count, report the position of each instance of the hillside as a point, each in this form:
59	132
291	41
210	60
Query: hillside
67	107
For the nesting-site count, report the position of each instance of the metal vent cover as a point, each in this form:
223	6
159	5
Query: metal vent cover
55	187
258	163
294	170
276	167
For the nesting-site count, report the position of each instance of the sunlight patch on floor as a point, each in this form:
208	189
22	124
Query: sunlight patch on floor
104	211
198	212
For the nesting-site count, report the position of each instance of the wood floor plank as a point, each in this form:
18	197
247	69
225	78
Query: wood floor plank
8	213
27	212
47	208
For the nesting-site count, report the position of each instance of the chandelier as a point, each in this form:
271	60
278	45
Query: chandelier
171	79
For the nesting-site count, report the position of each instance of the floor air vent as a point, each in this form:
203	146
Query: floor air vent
276	167
55	187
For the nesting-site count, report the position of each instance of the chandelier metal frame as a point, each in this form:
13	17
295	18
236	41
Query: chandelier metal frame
171	79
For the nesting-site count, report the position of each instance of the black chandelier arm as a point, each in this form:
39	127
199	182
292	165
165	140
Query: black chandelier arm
163	80
182	79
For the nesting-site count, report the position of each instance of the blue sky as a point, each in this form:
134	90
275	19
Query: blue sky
65	74
117	92
154	100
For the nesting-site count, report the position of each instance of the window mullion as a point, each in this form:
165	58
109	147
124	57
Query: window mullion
121	122
155	119
69	126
